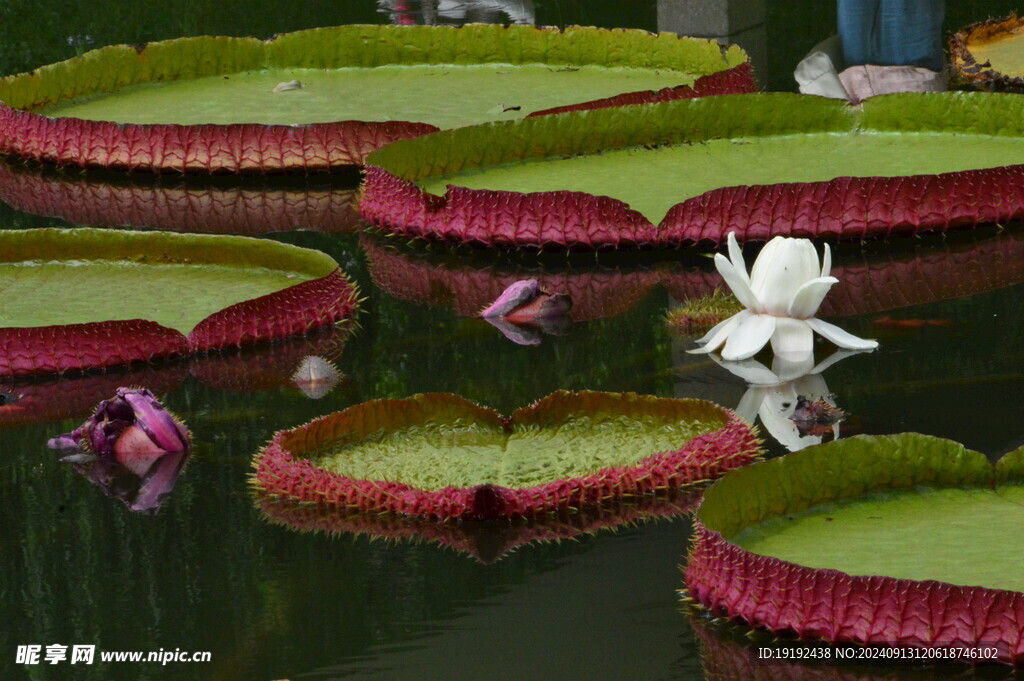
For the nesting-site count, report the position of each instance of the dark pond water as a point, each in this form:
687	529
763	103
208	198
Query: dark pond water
276	594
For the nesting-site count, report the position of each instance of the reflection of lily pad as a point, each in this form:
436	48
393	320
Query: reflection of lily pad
758	165
266	366
990	54
486	541
214	104
898	541
119	297
181	204
441	456
890	279
469	286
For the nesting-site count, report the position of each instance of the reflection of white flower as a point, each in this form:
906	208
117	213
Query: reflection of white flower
772	393
782	293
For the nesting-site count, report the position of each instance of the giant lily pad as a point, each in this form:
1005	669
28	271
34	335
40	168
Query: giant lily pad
441	456
892	541
84	298
990	54
299	101
180	204
758	165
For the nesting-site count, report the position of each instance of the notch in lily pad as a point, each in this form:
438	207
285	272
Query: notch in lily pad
690	172
441	456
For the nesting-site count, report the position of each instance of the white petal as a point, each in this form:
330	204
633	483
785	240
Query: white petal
841	338
736	256
826	262
794	340
792	365
749	337
834	358
808	297
719	333
749	404
779	272
776	408
739	283
751	371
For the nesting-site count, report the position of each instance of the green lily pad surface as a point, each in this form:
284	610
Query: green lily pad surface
441	456
957	536
683	172
314	100
902	540
98	275
750	142
462	451
911	507
447	96
660	178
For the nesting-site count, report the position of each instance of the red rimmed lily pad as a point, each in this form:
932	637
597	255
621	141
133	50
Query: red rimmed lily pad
441	456
298	102
690	172
89	299
990	54
889	541
180	204
486	541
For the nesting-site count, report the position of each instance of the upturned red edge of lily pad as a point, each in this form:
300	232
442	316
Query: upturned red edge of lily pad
56	349
100	345
281	472
832	606
846	208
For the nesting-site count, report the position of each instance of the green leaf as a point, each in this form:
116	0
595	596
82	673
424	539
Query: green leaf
905	506
59	277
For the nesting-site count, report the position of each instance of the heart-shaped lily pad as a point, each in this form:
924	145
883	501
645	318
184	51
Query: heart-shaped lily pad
441	456
758	165
902	540
185	203
299	101
87	298
990	54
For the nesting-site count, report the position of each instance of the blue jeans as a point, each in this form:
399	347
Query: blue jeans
892	32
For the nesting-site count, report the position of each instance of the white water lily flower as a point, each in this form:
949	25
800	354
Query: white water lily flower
782	293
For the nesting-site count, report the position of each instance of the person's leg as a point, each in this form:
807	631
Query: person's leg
910	33
858	30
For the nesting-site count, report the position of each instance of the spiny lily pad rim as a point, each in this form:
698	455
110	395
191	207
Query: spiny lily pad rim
860	207
834	606
718	441
299	290
966	66
259	148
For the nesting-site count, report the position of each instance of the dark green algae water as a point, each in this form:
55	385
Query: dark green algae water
211	572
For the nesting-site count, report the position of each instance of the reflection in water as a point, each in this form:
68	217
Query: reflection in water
211	205
784	397
458	12
486	541
142	487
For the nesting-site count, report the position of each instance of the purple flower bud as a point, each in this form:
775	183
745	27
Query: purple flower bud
131	447
514	296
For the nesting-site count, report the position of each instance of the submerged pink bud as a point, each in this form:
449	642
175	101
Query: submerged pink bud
514	296
131	447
